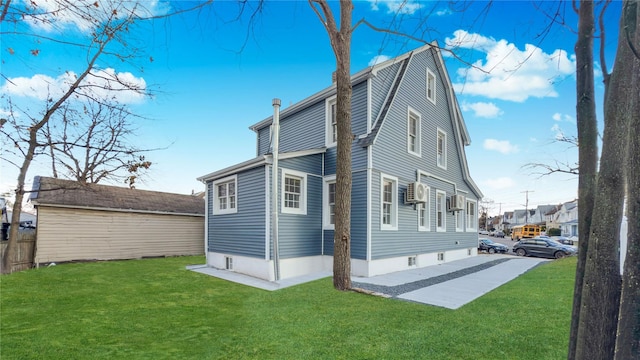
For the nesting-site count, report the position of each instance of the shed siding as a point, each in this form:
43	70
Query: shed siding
65	234
242	233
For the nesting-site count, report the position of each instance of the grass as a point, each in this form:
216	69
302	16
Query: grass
155	309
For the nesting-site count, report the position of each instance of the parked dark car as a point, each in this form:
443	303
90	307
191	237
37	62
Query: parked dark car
543	248
491	247
563	240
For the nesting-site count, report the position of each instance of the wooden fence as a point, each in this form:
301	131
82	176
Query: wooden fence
25	250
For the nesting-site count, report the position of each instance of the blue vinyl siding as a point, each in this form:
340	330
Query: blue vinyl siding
301	235
304	129
390	156
380	86
264	141
311	164
242	233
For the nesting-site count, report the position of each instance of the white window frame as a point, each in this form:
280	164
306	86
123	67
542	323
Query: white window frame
302	210
472	219
426	207
460	215
418	138
329	127
326	213
216	200
441	208
441	164
431	86
394	202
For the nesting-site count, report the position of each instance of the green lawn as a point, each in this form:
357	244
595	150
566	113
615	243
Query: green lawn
155	309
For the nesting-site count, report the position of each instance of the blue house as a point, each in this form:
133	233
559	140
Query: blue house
414	203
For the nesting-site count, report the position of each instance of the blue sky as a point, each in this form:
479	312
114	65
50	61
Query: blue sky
213	77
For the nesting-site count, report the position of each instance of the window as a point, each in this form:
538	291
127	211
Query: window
411	261
459	220
228	260
431	86
332	124
389	203
424	213
413	132
441	204
440	256
441	154
224	196
294	189
471	216
329	203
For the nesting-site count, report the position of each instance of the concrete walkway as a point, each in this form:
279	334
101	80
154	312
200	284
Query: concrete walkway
450	285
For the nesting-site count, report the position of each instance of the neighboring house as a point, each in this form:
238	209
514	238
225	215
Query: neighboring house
539	215
568	218
97	222
551	217
413	204
508	220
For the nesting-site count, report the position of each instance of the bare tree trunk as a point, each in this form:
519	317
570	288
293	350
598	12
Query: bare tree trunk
628	339
588	153
341	44
598	321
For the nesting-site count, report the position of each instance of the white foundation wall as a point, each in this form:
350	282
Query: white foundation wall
384	266
289	268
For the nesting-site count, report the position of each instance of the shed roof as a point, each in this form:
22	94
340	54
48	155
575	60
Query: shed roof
73	194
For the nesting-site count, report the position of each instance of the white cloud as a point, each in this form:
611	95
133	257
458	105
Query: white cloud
482	109
50	15
123	87
565	117
499	183
502	146
444	12
396	6
507	72
378	59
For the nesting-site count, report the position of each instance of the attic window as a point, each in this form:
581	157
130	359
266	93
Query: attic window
431	86
331	122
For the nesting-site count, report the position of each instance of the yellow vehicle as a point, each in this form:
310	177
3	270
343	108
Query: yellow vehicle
524	231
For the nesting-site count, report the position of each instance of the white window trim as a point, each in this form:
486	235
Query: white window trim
427	207
472	223
216	203
394	202
326	216
460	219
328	126
418	152
303	192
444	149
433	90
443	206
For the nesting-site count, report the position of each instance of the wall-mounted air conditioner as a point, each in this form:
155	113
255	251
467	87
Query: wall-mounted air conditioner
456	202
416	193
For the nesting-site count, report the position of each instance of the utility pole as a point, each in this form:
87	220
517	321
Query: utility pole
526	205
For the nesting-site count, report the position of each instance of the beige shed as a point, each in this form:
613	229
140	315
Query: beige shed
97	222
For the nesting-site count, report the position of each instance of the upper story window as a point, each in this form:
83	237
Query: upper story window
431	86
294	192
441	151
329	213
331	122
441	211
424	213
389	203
224	196
413	132
472	215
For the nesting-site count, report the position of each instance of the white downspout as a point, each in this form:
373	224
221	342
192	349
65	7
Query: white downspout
274	184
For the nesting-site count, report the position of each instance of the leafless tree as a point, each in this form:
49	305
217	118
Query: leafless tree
107	35
94	143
